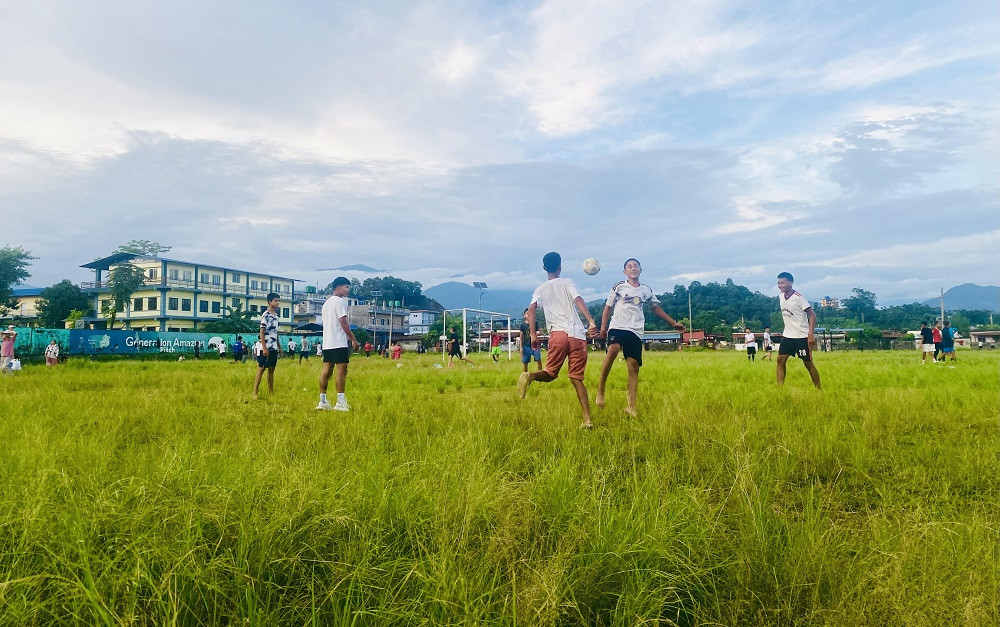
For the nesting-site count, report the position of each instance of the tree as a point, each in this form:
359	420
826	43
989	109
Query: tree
235	320
408	293
126	278
142	247
57	302
14	262
862	305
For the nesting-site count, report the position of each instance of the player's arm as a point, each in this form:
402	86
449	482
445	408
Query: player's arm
582	306
812	325
666	318
530	317
263	344
347	329
605	318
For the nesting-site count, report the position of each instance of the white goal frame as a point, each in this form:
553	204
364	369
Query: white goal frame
465	329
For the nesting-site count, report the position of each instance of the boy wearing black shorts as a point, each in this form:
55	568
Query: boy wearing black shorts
626	327
337	336
798	338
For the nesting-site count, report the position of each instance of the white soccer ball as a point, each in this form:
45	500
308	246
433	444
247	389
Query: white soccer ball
591	266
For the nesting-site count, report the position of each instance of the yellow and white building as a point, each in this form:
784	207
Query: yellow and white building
182	295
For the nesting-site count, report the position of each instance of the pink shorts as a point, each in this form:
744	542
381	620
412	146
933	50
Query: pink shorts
561	346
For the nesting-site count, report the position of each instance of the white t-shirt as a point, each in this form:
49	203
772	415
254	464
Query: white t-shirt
767	339
291	346
748	339
222	348
52	351
627	302
334	309
557	299
793	312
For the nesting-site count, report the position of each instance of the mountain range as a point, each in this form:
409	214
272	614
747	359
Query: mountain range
969	296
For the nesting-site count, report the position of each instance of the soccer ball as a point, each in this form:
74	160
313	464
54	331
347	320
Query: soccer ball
591	266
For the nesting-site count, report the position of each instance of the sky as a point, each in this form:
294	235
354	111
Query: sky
853	144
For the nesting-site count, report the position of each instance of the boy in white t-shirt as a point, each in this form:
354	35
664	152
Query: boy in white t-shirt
567	337
627	324
337	335
798	337
750	342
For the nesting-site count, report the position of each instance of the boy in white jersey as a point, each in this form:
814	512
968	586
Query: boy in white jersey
567	337
798	337
768	344
336	353
626	327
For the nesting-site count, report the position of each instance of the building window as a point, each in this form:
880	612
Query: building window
284	312
136	304
254	284
188	275
204	277
216	307
236	278
105	305
185	304
151	303
253	308
172	304
152	274
174	274
216	279
287	289
236	302
203	306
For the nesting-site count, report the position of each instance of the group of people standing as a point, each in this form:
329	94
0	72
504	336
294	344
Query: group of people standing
936	341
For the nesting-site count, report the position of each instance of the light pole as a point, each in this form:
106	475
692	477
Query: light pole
481	286
375	295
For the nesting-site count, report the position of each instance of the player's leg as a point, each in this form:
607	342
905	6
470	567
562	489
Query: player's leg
257	378
324	377
577	356
633	386
341	380
270	380
609	360
780	368
813	373
581	396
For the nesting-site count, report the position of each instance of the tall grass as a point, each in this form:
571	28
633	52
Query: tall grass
156	493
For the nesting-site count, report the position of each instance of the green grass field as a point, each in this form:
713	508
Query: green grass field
158	493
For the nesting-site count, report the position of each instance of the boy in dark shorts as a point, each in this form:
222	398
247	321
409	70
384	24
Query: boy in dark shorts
798	337
268	358
337	336
627	324
455	348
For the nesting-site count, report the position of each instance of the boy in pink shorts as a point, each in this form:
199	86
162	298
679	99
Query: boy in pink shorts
567	337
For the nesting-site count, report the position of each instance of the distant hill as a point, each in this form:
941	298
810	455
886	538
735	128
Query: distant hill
358	267
969	296
454	295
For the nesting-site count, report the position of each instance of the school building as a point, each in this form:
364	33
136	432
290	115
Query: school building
181	295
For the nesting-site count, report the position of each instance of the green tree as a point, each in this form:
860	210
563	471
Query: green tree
14	262
234	320
126	278
57	302
408	293
862	305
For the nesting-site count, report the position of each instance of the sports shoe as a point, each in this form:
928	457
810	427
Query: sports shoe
324	405
522	384
342	407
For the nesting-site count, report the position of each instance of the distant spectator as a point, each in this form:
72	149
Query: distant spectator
948	342
926	343
7	339
52	353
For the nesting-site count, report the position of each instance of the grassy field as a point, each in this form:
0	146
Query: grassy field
158	493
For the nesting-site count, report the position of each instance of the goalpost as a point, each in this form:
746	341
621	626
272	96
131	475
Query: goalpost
465	329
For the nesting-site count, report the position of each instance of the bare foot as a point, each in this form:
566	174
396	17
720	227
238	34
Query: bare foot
630	412
254	396
587	425
599	400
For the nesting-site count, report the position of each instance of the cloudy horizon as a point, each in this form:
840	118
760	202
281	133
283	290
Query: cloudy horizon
854	145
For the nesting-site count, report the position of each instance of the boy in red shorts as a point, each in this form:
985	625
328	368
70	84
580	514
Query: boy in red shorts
567	337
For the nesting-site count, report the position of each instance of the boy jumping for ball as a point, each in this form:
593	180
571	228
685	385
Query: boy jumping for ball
567	337
626	327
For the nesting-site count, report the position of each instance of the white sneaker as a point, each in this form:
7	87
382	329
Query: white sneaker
342	407
324	405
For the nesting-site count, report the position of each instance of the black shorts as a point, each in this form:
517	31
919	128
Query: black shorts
270	360
751	349
336	355
456	352
797	346
630	342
